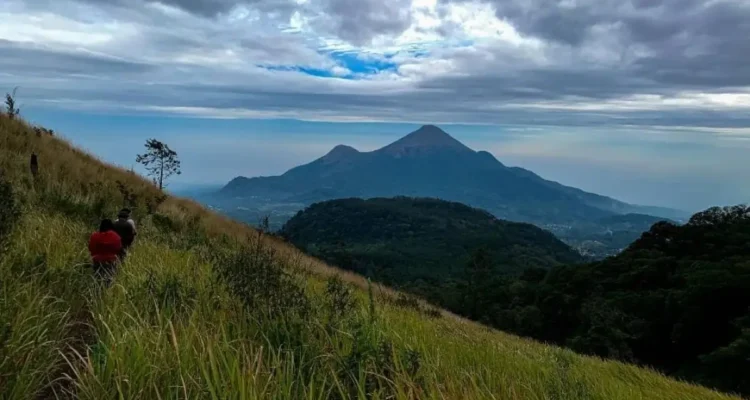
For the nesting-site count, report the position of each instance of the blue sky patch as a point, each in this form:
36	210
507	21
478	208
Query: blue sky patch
369	64
357	63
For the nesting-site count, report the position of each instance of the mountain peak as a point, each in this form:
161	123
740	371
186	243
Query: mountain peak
343	149
340	152
430	135
426	137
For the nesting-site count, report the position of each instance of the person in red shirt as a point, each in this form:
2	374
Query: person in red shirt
105	246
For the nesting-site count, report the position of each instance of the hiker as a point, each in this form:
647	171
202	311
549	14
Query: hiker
105	246
125	227
34	165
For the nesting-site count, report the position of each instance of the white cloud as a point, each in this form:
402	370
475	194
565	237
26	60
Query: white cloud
439	60
51	29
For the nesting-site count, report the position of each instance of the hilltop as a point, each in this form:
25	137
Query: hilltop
426	163
420	245
209	308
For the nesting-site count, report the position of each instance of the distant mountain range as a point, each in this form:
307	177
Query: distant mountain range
430	163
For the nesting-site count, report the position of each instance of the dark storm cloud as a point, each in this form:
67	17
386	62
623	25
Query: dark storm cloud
361	20
546	19
692	43
646	21
356	21
697	44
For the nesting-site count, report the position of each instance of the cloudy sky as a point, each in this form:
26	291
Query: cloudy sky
644	100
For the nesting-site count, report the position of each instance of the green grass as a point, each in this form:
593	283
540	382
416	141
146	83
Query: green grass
206	308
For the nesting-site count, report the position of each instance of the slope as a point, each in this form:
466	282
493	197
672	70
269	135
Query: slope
420	245
677	299
195	311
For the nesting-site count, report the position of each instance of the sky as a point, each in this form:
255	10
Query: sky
647	101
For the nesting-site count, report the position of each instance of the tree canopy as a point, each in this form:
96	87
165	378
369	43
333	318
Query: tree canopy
678	299
421	245
160	161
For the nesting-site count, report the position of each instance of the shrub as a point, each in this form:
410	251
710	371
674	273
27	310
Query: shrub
129	198
406	301
153	203
40	130
9	211
433	313
164	223
261	283
339	298
11	110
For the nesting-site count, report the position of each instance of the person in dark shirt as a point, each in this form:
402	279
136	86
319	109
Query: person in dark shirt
125	227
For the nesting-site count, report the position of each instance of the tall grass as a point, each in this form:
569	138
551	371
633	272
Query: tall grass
208	308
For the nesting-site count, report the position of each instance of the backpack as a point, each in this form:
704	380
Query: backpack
126	231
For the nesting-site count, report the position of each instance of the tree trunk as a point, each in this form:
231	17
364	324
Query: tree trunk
161	174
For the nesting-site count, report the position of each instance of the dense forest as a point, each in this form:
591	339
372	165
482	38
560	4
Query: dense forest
677	299
420	244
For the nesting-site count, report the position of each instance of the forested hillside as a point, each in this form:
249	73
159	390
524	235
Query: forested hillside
206	308
678	299
421	245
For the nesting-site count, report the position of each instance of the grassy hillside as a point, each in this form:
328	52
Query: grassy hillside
207	308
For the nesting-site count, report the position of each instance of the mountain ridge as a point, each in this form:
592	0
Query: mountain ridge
429	162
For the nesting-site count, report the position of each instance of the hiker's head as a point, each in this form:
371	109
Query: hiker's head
106	225
124	213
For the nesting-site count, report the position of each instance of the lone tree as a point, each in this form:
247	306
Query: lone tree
10	104
160	161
